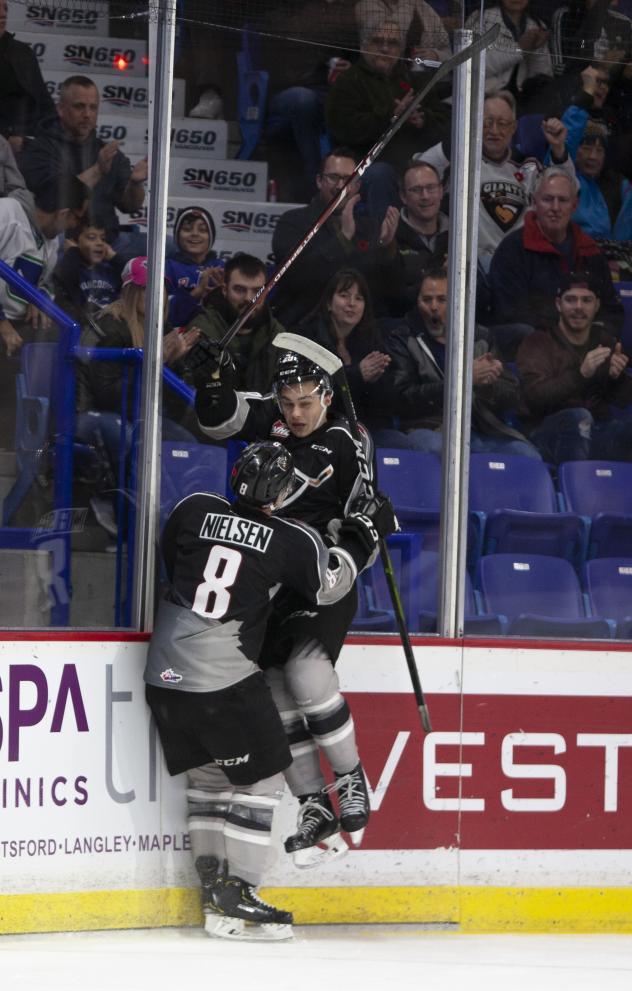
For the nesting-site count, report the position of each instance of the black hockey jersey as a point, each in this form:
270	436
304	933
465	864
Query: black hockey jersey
224	564
325	462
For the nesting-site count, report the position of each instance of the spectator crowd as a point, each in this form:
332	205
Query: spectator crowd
550	374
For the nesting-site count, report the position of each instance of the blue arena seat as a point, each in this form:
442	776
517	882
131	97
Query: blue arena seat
602	492
413	481
368	618
516	500
252	97
189	468
475	624
609	588
540	595
529	139
411	478
416	575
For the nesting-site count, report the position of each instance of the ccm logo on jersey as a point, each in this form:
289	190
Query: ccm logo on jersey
232	761
319	447
170	676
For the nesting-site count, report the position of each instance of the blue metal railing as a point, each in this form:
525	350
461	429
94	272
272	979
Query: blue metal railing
64	422
63	407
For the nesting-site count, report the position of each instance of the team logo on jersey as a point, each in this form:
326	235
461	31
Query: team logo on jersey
305	482
170	676
279	429
504	202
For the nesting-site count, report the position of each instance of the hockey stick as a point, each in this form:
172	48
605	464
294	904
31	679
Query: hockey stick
444	69
332	364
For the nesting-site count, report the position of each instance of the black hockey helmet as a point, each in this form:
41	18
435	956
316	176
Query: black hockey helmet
294	369
262	472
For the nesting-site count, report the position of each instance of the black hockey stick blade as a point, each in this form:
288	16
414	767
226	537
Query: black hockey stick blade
325	359
445	68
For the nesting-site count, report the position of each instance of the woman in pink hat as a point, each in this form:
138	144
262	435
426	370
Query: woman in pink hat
102	386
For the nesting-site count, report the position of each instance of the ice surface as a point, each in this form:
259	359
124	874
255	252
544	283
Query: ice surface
353	958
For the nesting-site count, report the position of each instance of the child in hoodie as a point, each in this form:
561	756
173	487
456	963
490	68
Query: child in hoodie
88	276
192	270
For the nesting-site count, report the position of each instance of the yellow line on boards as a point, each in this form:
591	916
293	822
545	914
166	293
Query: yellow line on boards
469	909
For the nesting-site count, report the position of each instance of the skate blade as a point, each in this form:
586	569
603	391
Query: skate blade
332	848
238	929
356	837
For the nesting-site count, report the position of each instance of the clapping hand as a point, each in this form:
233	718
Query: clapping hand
618	361
373	365
486	369
177	343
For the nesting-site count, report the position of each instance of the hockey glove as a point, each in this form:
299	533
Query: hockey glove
379	509
206	361
371	519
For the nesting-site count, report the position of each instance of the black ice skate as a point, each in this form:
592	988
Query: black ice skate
353	799
317	837
238	913
208	871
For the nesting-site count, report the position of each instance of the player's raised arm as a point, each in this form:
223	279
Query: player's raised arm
221	410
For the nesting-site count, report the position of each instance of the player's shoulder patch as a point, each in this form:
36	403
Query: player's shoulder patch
279	429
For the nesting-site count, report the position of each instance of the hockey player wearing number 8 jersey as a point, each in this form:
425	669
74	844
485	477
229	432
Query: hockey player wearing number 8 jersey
302	643
215	714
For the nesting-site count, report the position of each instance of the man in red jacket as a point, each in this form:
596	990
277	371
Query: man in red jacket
572	374
528	264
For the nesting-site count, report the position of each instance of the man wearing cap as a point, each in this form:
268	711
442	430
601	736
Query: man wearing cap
528	264
571	375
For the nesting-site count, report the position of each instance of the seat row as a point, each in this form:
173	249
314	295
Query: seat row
515	506
520	595
541	561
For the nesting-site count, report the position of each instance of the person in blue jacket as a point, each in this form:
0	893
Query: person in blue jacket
192	269
601	189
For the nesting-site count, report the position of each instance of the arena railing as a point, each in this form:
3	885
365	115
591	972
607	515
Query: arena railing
63	413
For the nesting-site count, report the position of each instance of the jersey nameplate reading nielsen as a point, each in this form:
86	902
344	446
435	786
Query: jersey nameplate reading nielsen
231	530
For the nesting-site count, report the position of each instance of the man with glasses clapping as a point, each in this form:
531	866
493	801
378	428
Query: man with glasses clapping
349	239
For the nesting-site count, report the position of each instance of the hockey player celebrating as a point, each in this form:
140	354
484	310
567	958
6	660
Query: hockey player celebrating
302	643
214	712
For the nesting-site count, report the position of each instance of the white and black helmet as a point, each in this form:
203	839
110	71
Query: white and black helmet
295	369
262	472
